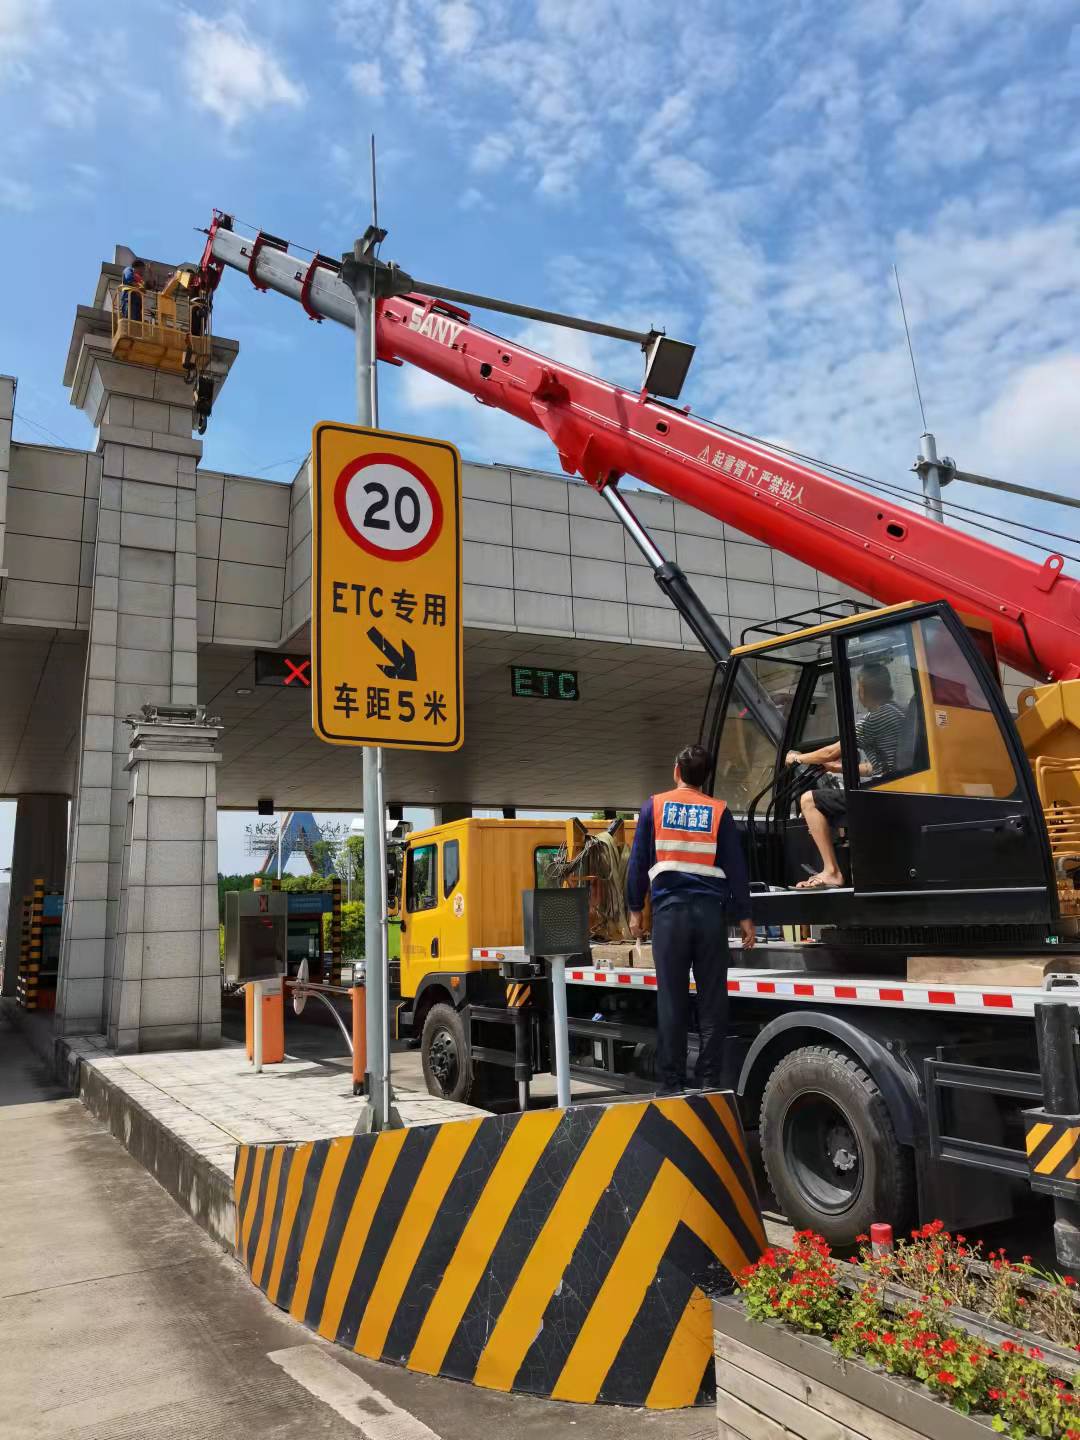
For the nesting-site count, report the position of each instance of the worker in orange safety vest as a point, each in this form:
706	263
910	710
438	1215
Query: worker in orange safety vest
687	851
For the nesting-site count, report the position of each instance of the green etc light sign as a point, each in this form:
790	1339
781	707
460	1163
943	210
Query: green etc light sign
530	682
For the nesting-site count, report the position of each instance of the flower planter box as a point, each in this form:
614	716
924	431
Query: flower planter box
775	1384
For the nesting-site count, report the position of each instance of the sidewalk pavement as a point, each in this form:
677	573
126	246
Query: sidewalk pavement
213	1100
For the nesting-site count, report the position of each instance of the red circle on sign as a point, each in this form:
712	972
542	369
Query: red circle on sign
397	462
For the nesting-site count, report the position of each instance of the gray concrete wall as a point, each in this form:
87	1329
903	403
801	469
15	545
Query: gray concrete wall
52	503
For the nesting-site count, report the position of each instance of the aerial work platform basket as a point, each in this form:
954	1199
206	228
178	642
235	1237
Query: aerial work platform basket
167	329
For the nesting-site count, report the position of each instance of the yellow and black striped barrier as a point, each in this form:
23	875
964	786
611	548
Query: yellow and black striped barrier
561	1253
1053	1148
517	995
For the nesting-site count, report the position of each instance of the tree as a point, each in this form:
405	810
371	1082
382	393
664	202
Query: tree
352	930
350	866
231	882
323	856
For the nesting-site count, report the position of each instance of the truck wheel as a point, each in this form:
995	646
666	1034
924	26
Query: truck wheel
832	1157
444	1050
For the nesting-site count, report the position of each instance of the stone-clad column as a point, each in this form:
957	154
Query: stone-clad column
143	646
165	988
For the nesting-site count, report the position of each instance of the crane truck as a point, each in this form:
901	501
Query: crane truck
878	1091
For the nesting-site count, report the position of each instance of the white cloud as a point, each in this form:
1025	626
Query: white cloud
459	26
15	194
23	25
366	78
231	73
71	103
1032	428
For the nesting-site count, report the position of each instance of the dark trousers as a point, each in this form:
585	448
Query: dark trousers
691	935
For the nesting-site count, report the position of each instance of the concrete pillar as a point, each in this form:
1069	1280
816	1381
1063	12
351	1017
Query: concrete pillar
40	850
165	987
143	645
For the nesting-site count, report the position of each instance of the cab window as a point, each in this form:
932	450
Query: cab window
544	857
746	754
922	717
451	861
420	878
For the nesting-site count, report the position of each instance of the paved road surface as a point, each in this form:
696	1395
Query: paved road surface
120	1320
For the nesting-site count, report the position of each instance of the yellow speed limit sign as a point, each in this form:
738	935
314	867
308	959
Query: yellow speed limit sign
386	589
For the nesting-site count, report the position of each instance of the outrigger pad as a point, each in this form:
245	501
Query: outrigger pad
560	1253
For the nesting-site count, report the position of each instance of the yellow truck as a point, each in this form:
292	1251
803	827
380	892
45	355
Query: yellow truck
460	917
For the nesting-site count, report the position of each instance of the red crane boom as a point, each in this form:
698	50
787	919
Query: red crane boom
603	432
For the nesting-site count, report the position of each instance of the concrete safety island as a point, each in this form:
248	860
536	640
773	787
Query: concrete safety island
557	1253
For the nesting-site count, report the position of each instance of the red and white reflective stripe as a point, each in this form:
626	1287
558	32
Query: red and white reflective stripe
804	989
967	998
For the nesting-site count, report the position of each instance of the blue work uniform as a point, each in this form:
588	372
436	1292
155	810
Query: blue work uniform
688	853
130	300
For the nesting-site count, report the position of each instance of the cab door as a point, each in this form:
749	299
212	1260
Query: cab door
421	929
943	815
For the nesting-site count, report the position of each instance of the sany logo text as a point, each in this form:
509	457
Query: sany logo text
439	327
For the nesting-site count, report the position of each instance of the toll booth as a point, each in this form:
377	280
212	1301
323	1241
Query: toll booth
306	911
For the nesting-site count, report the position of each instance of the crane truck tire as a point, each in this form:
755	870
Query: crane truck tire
829	1148
450	1070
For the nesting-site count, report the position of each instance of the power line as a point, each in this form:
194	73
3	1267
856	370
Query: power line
20	415
885	487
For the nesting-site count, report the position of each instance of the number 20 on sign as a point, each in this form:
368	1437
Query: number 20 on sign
386	641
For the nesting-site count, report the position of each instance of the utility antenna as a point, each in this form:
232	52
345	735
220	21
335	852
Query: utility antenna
374	188
910	347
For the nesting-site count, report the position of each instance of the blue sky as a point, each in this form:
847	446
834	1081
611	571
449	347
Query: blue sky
745	175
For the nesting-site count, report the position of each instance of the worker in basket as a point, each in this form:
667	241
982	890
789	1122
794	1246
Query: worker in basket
688	853
133	280
824	806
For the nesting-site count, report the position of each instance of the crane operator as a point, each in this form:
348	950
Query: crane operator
825	805
688	853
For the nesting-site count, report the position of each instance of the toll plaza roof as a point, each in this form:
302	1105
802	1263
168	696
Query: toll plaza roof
609	685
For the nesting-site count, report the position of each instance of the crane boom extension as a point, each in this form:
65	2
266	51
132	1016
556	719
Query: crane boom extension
602	432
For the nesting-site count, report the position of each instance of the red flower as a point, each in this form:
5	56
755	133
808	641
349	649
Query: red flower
888	1338
946	1377
1068	1280
949	1347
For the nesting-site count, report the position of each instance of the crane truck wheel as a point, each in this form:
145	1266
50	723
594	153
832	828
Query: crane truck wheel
450	1070
444	1051
829	1148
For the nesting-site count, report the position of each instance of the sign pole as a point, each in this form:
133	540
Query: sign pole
378	1069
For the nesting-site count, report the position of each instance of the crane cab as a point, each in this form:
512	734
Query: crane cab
937	822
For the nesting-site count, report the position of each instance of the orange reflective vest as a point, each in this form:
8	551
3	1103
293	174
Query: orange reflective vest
686	824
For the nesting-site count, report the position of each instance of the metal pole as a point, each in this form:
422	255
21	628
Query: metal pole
562	1036
376	1078
257	1025
280	838
931	479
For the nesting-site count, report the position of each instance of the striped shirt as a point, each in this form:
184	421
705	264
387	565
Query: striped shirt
878	734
